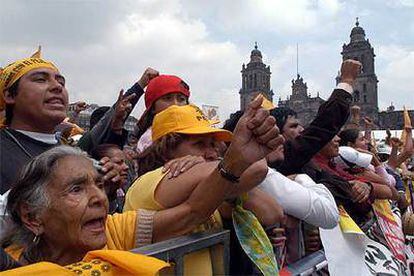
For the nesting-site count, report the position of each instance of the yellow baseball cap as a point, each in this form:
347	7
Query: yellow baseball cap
187	119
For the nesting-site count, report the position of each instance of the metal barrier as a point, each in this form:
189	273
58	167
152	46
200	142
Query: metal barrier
174	250
306	266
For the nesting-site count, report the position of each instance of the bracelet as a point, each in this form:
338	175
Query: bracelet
226	174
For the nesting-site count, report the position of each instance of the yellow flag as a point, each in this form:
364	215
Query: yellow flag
38	53
266	104
346	223
407	123
407	119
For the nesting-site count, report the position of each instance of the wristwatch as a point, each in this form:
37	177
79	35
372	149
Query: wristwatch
226	174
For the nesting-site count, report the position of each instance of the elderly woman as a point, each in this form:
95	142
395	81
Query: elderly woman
58	206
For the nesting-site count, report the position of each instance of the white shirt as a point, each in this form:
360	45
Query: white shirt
3	203
42	137
302	198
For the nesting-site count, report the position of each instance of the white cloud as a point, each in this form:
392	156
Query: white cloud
401	3
395	75
275	16
102	48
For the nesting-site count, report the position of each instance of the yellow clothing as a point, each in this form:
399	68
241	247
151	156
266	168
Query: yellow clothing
121	231
141	195
14	71
99	262
120	234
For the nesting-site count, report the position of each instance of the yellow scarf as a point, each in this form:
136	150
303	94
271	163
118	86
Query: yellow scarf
99	262
14	71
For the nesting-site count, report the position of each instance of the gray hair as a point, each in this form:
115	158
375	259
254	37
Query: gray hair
30	189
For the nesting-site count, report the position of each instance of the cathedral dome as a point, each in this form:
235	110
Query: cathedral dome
256	52
357	30
255	55
357	33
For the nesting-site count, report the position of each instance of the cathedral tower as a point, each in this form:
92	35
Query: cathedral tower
366	88
255	79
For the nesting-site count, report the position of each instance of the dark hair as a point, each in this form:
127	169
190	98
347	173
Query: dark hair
158	153
102	150
349	135
97	115
9	108
230	123
281	114
144	123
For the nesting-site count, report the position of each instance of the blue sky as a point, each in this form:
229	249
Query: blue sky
103	46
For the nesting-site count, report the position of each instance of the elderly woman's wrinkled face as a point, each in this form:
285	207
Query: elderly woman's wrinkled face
75	218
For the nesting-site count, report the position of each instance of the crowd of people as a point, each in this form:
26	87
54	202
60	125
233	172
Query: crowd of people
80	205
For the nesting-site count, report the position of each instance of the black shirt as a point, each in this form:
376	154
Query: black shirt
331	116
13	157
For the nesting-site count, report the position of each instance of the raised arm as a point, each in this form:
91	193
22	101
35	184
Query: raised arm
171	192
396	159
110	128
331	116
255	136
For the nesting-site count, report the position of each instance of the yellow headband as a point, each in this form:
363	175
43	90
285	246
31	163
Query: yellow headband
14	71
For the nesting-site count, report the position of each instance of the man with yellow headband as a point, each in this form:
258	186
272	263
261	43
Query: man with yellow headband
34	99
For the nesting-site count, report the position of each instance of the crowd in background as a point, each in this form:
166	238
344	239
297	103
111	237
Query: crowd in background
71	204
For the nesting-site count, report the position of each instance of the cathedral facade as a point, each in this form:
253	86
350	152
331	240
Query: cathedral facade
256	79
303	103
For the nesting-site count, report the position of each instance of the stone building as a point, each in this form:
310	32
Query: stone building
255	79
393	119
303	103
365	88
84	117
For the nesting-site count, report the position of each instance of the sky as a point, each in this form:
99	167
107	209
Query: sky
104	46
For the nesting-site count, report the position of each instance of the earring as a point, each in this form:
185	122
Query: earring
36	239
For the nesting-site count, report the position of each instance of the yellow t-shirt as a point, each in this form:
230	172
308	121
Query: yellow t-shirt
141	195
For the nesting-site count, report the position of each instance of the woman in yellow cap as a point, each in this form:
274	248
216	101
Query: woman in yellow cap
179	131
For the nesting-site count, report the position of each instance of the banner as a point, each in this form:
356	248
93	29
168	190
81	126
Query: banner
390	228
212	113
350	252
345	247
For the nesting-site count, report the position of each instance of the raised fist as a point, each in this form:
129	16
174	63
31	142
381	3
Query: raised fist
148	75
349	71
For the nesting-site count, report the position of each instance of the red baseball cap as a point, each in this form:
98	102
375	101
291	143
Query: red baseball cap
163	85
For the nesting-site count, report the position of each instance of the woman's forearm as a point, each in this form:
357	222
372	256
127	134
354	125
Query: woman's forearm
184	218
